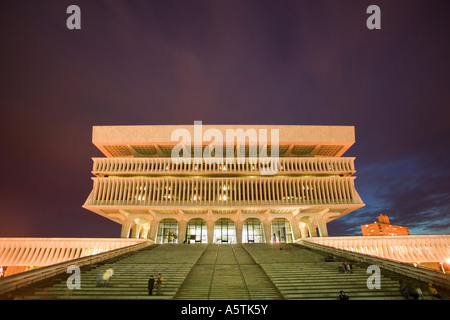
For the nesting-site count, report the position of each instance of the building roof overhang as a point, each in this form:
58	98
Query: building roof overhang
158	141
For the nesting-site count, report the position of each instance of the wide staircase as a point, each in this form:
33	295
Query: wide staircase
301	273
227	272
131	274
223	272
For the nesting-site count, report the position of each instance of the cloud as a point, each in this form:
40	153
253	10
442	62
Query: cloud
412	191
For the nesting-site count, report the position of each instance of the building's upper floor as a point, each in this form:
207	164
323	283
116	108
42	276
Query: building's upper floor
237	140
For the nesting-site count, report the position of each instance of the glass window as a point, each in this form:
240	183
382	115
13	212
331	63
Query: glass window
281	231
252	231
167	231
224	231
196	231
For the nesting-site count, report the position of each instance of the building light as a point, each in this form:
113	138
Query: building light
224	198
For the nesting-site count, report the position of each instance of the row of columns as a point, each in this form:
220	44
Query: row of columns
141	228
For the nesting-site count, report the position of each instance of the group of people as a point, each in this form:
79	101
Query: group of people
411	292
345	267
407	290
103	277
151	284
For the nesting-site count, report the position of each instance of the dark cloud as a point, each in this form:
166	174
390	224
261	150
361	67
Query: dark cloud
223	62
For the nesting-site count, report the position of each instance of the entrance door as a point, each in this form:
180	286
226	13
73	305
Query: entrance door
224	231
196	231
252	231
167	231
281	231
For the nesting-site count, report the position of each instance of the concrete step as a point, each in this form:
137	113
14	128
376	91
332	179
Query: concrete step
225	272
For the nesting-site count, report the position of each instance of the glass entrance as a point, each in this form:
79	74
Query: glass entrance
281	231
252	231
167	231
196	231
224	231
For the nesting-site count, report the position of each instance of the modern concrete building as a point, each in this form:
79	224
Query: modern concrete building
162	187
222	197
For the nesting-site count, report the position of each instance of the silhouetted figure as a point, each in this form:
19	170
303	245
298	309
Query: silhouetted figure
99	278
151	284
343	296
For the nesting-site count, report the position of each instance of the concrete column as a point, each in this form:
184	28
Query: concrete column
153	230
238	228
303	230
181	231
126	226
322	228
295	231
135	230
210	227
144	231
267	231
312	229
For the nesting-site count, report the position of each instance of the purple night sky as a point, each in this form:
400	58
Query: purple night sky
281	62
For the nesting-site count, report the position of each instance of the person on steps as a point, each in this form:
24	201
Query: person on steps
159	281
151	283
433	291
99	278
106	276
343	296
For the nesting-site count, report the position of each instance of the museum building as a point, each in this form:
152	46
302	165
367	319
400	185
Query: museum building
218	198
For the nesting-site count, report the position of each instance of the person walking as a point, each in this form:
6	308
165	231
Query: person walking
106	276
99	278
151	284
419	293
159	281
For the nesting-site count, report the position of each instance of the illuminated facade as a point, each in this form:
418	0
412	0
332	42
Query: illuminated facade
383	228
140	186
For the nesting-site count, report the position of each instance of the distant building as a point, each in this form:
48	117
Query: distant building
383	228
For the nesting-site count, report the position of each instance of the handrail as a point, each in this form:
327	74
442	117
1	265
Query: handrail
20	280
439	279
242	274
213	272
